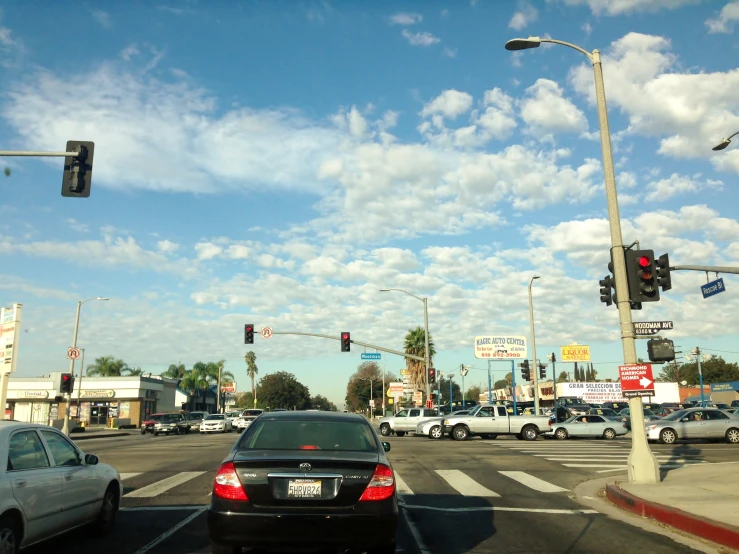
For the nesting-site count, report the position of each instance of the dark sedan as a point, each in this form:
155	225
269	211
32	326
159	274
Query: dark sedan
305	481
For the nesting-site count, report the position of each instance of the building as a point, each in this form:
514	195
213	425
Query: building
95	401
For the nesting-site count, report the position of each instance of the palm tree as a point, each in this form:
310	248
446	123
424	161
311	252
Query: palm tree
251	368
415	344
107	366
175	371
134	371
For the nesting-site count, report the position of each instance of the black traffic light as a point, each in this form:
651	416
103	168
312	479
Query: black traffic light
606	289
248	333
78	169
346	342
525	370
663	272
542	371
66	383
432	375
642	275
661	350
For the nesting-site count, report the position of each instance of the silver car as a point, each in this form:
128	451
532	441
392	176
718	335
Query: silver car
695	423
432	428
588	426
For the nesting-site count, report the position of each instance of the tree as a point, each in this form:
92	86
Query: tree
358	388
251	368
175	371
107	366
202	376
563	377
473	393
322	403
501	384
716	370
509	379
443	385
134	371
415	344
283	390
244	400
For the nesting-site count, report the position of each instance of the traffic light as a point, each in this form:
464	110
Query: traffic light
432	375
77	176
66	383
525	370
661	350
248	333
346	342
606	292
642	276
663	272
542	371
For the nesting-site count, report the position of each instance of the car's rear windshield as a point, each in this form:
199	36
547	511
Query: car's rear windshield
297	434
252	412
211	417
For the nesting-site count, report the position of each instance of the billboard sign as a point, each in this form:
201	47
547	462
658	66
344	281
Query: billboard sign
501	347
574	353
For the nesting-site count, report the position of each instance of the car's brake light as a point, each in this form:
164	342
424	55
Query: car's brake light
381	486
227	485
309	447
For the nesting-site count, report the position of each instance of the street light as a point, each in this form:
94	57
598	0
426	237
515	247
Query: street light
65	427
724	143
426	330
533	347
642	465
370	402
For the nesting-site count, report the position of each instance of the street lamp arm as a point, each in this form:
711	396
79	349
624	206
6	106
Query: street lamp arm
406	292
574	46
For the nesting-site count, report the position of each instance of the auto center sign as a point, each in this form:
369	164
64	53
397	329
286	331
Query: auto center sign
500	347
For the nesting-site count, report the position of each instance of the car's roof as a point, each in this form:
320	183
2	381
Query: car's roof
312	416
8	425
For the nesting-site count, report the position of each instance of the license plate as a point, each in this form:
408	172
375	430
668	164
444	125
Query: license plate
304	488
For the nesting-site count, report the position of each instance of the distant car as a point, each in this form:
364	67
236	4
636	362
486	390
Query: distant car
246	418
432	428
195	419
308	481
649	415
695	423
49	486
588	426
216	423
171	423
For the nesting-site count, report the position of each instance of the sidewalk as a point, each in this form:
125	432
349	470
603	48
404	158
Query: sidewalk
700	499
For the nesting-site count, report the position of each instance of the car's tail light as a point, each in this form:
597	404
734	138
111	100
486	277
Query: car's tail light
381	486
227	485
309	447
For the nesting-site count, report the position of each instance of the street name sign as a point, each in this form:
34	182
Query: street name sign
500	347
713	288
371	356
636	380
646	328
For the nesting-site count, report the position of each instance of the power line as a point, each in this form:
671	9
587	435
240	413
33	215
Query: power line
725	351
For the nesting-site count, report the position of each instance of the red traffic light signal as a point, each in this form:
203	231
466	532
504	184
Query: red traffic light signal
346	342
248	333
66	384
641	273
432	375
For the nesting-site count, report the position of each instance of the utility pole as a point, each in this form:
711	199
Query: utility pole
535	367
218	392
79	389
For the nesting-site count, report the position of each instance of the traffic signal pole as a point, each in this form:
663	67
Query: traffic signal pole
359	343
68	397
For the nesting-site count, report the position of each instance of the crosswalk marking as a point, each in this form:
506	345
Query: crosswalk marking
155	489
532	482
125	476
401	486
464	484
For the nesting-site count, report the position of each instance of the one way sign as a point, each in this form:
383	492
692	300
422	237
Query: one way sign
636	380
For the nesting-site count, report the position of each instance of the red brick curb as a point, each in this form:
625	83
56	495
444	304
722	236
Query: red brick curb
720	533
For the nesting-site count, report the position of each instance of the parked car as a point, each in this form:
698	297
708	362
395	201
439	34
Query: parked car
588	426
491	421
695	423
305	480
49	486
431	428
405	421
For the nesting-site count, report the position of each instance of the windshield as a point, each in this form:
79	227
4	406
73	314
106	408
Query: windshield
474	410
252	413
355	436
196	415
675	416
215	416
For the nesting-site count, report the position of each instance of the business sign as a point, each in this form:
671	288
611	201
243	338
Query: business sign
371	356
500	347
731	386
10	331
417	397
636	380
36	394
646	328
592	392
574	353
228	387
713	288
97	394
394	390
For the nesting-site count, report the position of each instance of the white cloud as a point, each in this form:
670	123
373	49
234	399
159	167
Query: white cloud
678	184
167	246
498	119
420	38
10	47
724	23
450	104
207	250
525	15
450	52
237	252
103	18
78	226
624	7
545	110
406	18
587	27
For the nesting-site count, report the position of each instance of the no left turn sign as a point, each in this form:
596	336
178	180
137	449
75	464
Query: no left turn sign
73	353
266	332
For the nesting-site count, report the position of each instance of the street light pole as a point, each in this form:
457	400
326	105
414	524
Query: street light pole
370	402
534	367
642	465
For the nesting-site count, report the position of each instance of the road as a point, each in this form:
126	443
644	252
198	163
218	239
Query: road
477	496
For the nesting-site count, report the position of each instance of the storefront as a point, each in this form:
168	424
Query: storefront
98	402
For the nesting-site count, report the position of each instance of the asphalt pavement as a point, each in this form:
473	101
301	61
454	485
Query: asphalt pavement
478	496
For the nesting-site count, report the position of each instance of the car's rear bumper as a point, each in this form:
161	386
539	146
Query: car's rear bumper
303	532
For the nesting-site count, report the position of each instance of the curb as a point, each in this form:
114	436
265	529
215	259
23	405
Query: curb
720	533
82	436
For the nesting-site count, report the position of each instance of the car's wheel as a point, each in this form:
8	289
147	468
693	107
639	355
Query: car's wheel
435	432
103	525
225	549
460	433
156	433
530	433
400	433
732	436
10	534
667	436
385	430
143	431
561	434
609	434
176	430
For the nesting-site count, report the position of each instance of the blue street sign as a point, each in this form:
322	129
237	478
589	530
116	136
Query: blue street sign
371	356
712	288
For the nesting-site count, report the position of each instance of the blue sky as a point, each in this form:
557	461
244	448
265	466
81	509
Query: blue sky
279	163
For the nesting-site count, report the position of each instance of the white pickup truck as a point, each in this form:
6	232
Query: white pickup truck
489	421
405	421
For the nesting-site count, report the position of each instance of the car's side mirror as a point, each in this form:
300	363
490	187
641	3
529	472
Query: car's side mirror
91	459
684	419
386	446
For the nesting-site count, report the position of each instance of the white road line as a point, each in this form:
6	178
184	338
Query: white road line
401	486
532	482
592	465
161	508
125	476
155	489
501	509
169	532
604	459
464	484
415	533
609	470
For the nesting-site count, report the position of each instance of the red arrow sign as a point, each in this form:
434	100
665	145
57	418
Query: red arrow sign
636	380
